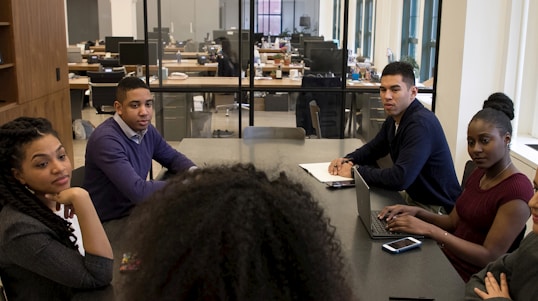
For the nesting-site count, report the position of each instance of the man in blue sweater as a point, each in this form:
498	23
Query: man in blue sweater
422	165
120	151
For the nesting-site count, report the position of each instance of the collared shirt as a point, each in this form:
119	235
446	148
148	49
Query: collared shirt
132	135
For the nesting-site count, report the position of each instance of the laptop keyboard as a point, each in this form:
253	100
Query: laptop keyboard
378	225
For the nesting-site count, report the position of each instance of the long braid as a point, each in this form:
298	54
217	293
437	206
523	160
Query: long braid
13	137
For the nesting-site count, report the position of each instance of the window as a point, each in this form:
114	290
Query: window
409	28
336	17
429	38
358	25
270	16
526	88
368	28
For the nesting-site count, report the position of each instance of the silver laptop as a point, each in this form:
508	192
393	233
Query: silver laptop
374	226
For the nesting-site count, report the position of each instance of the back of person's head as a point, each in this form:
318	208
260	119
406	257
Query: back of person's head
127	84
225	45
400	68
231	233
498	109
15	136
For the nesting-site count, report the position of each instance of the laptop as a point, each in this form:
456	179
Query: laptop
374	226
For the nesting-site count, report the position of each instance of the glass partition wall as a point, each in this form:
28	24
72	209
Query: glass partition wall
226	64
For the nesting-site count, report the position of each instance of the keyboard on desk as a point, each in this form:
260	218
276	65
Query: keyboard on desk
379	227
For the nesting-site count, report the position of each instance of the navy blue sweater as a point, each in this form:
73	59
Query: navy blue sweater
117	168
422	165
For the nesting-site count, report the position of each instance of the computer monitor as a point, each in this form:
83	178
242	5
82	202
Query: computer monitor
111	43
326	60
221	33
154	35
134	53
307	37
237	39
296	37
109	62
311	44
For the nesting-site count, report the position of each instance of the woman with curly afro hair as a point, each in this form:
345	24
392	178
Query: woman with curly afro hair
232	233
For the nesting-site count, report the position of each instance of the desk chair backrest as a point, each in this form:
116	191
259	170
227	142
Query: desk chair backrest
226	68
77	176
261	132
103	89
314	115
469	167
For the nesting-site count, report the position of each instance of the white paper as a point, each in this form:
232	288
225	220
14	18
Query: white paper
320	172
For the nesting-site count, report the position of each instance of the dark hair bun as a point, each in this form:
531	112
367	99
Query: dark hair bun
501	102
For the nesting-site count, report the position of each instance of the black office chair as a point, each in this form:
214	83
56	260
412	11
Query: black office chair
227	68
103	90
329	103
77	176
314	115
469	167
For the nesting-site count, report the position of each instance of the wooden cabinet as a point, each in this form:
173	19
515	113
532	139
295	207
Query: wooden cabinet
7	67
34	73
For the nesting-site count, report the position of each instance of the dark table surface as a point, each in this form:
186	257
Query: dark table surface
374	274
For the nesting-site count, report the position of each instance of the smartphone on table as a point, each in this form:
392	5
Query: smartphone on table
402	245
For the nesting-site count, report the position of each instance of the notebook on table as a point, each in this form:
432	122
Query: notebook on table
374	226
320	172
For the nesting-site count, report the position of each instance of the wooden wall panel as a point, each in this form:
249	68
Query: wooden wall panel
39	43
40	47
55	107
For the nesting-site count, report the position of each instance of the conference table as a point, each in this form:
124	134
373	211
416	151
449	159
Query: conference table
373	273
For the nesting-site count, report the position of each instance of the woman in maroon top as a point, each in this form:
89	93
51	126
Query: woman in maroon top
491	211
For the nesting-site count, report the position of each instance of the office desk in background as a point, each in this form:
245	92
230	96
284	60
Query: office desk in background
77	88
100	54
374	274
227	82
98	48
186	65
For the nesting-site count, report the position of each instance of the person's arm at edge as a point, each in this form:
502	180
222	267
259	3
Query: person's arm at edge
367	154
496	242
33	247
501	265
94	237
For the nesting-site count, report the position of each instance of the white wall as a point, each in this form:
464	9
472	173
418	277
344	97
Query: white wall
475	54
388	32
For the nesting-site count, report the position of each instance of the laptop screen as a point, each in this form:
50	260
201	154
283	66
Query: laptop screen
363	197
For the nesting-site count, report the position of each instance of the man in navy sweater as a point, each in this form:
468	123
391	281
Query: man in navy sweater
120	151
422	165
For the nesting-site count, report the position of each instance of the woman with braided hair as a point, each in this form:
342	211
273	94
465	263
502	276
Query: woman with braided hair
39	256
